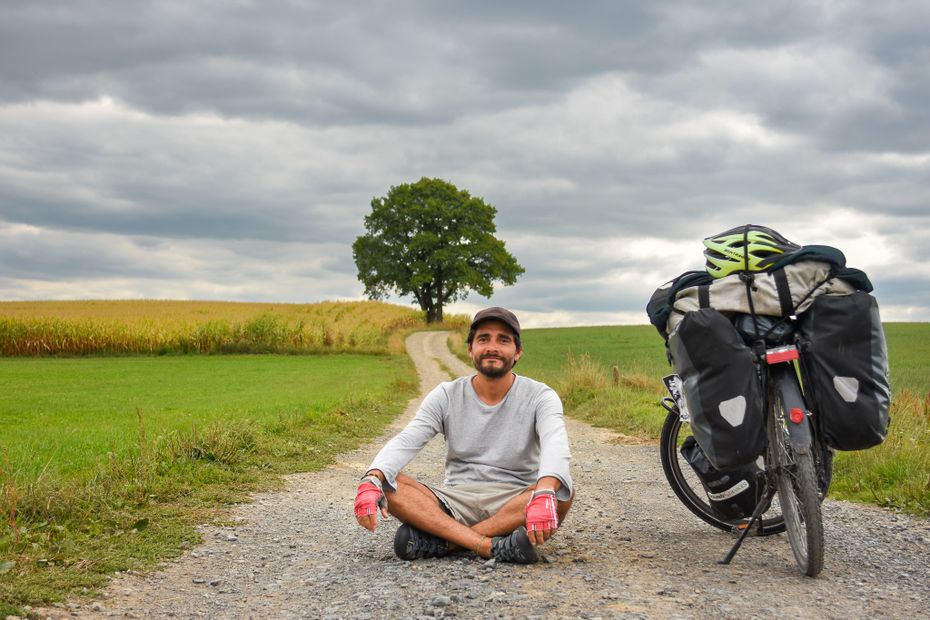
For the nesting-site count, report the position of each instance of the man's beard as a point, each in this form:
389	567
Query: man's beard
494	372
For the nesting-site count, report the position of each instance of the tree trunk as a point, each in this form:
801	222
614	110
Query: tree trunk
437	314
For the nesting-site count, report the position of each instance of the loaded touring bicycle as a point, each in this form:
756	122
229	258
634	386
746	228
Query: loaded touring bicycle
779	359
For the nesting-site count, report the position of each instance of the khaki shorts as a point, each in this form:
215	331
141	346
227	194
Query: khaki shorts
473	503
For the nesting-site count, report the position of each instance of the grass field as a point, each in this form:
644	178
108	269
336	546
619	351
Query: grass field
579	363
909	351
109	463
66	415
638	349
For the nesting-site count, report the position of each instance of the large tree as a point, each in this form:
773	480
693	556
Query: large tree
434	241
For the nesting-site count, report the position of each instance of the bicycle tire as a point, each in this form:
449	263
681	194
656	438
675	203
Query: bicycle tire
692	494
798	496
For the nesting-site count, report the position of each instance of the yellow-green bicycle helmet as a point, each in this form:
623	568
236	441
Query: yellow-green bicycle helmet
745	248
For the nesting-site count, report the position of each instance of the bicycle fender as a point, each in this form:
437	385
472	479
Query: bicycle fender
789	393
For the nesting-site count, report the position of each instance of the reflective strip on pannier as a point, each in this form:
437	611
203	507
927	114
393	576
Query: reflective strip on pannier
846	363
720	387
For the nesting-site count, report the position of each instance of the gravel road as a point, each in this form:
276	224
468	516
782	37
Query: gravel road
628	549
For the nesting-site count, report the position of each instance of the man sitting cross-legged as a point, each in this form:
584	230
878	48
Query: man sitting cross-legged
507	484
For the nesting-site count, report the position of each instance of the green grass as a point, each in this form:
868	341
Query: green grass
64	415
634	349
109	464
578	362
909	351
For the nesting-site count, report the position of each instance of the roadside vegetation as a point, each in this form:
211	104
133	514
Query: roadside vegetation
611	377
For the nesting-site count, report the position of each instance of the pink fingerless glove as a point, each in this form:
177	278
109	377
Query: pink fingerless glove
368	498
541	513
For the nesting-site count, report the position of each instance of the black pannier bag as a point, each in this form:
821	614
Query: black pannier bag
846	364
720	387
732	494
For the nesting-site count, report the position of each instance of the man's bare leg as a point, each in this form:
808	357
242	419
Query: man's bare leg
414	504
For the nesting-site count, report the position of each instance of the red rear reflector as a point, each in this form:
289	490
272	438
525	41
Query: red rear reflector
782	354
797	416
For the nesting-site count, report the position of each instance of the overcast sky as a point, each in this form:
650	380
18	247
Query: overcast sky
230	150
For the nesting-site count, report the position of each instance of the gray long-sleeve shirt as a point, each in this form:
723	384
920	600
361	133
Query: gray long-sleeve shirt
517	441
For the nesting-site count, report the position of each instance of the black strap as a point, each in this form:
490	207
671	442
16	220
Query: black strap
784	292
704	295
748	277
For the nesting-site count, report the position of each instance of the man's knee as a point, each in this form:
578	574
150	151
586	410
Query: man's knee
407	489
405	484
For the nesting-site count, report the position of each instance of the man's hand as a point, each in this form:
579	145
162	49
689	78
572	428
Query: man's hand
368	499
541	516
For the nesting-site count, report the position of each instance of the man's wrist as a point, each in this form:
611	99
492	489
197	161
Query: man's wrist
548	483
377	473
375	480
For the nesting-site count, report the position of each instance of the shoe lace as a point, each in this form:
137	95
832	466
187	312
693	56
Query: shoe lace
424	545
509	549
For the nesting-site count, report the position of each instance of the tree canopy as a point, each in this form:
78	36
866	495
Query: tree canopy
434	241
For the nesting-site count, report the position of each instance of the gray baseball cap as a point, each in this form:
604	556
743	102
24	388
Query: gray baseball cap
497	313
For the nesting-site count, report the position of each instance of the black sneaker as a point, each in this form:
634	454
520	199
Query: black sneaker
515	547
413	544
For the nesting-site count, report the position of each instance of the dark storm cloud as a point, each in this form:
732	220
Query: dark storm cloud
372	62
310	63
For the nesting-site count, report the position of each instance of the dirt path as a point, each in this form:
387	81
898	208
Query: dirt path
627	550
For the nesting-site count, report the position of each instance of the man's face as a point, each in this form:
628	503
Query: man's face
493	351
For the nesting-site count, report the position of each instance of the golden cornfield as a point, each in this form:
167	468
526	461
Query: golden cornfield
36	328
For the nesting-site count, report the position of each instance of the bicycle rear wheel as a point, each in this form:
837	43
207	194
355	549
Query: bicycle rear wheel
797	493
687	486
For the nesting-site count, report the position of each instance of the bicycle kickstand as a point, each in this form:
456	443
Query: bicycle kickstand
756	515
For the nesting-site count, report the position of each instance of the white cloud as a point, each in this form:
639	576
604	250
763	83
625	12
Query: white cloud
232	152
115	266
